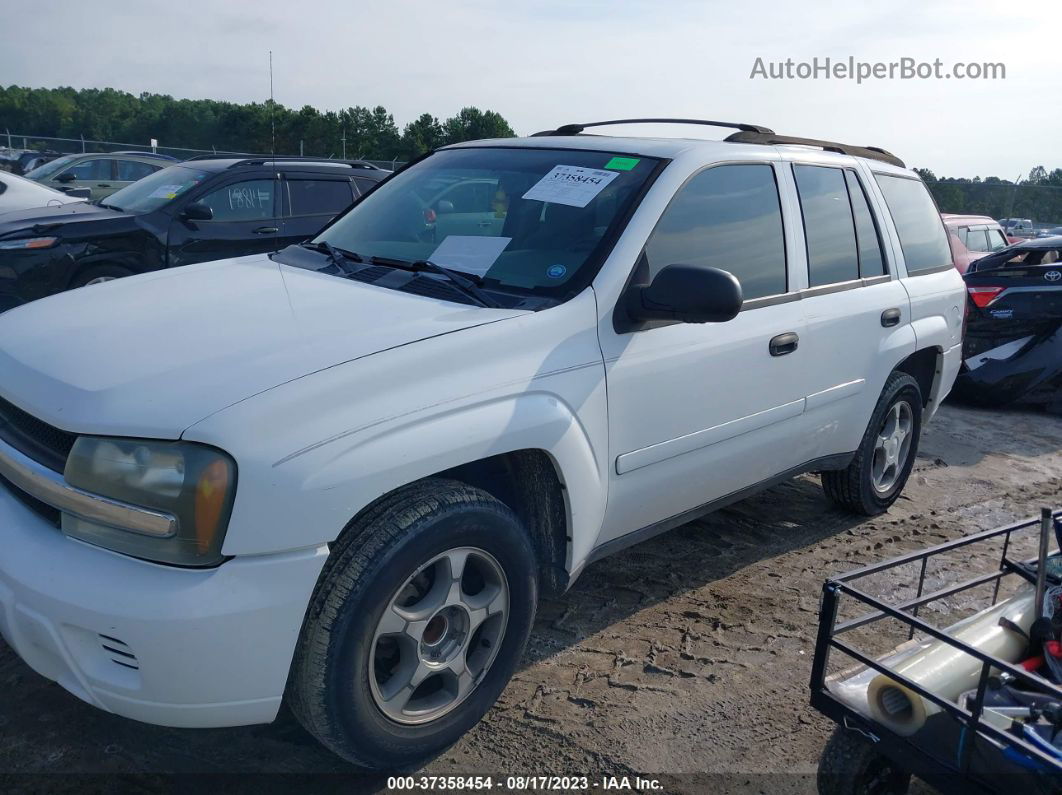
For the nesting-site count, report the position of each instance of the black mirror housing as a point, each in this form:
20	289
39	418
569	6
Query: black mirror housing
687	294
67	177
197	211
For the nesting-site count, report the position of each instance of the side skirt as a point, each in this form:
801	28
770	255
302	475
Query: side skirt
838	461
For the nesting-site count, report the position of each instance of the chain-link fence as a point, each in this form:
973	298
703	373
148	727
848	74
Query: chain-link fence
13	145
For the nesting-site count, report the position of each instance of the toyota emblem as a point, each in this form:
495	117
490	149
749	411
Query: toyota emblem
1053	276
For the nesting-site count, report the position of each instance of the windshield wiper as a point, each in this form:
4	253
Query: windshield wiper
465	283
337	256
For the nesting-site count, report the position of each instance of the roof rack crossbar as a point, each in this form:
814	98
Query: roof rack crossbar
575	129
869	152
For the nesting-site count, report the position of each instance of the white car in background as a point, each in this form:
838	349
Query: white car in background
19	193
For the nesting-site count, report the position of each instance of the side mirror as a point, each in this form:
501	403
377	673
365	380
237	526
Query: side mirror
79	193
688	294
197	211
66	177
445	206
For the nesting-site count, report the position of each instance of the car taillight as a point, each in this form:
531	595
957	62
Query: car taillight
983	296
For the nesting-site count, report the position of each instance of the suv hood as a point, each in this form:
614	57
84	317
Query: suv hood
152	355
75	212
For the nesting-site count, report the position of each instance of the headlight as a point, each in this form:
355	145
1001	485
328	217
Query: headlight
192	482
30	242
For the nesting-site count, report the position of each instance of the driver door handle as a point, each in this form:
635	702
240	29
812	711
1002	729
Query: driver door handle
266	230
784	343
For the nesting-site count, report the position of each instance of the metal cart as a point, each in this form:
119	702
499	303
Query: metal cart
960	752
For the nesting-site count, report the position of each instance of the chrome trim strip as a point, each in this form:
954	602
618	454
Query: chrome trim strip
50	488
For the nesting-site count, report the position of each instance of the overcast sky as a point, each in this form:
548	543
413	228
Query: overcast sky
545	62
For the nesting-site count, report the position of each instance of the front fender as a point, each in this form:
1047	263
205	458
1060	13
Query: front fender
314	452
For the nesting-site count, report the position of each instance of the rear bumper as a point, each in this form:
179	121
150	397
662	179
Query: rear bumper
174	647
1030	370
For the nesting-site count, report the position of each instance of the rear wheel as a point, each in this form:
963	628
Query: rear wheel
877	474
851	765
99	274
419	621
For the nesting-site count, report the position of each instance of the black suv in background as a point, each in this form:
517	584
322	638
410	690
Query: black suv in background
199	210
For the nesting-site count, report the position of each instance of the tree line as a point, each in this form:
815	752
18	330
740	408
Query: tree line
1038	197
107	114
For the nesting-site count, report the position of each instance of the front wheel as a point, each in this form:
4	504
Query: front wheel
99	274
419	621
872	482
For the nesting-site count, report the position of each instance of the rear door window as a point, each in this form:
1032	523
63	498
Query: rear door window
871	260
318	196
132	170
922	237
364	185
829	229
996	240
728	217
976	239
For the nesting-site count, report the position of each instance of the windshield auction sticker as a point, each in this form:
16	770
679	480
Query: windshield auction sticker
469	253
574	186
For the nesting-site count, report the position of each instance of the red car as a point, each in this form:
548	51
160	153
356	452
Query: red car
973	237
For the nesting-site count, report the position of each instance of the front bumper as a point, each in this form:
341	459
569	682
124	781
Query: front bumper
174	647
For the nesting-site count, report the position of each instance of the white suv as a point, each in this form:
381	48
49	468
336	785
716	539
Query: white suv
343	474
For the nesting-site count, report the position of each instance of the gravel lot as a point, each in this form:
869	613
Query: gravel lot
689	654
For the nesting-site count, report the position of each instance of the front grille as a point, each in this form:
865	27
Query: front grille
35	438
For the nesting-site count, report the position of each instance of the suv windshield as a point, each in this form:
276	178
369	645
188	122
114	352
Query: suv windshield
155	190
45	170
525	219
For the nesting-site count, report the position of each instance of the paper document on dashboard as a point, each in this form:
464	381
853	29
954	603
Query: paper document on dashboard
469	253
574	186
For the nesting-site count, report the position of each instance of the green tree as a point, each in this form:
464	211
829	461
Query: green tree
420	136
473	124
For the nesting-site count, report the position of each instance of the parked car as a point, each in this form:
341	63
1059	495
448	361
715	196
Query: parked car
1013	347
1051	232
28	161
197	211
972	236
19	193
101	173
343	474
1018	227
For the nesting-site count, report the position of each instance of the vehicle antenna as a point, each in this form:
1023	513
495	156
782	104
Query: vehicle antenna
272	122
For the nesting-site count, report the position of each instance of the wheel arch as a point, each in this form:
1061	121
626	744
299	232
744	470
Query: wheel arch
926	366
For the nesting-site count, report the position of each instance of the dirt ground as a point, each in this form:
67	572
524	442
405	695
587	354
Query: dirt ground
689	654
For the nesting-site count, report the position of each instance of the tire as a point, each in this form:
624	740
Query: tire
99	273
856	487
388	560
850	765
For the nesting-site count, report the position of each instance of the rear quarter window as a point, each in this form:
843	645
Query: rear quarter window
922	237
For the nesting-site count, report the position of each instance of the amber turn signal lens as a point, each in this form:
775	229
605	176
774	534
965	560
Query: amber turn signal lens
211	493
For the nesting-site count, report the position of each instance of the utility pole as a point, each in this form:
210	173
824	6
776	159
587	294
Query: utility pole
1013	196
344	139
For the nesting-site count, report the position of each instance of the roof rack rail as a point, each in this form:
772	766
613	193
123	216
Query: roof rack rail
575	129
869	152
261	160
159	155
